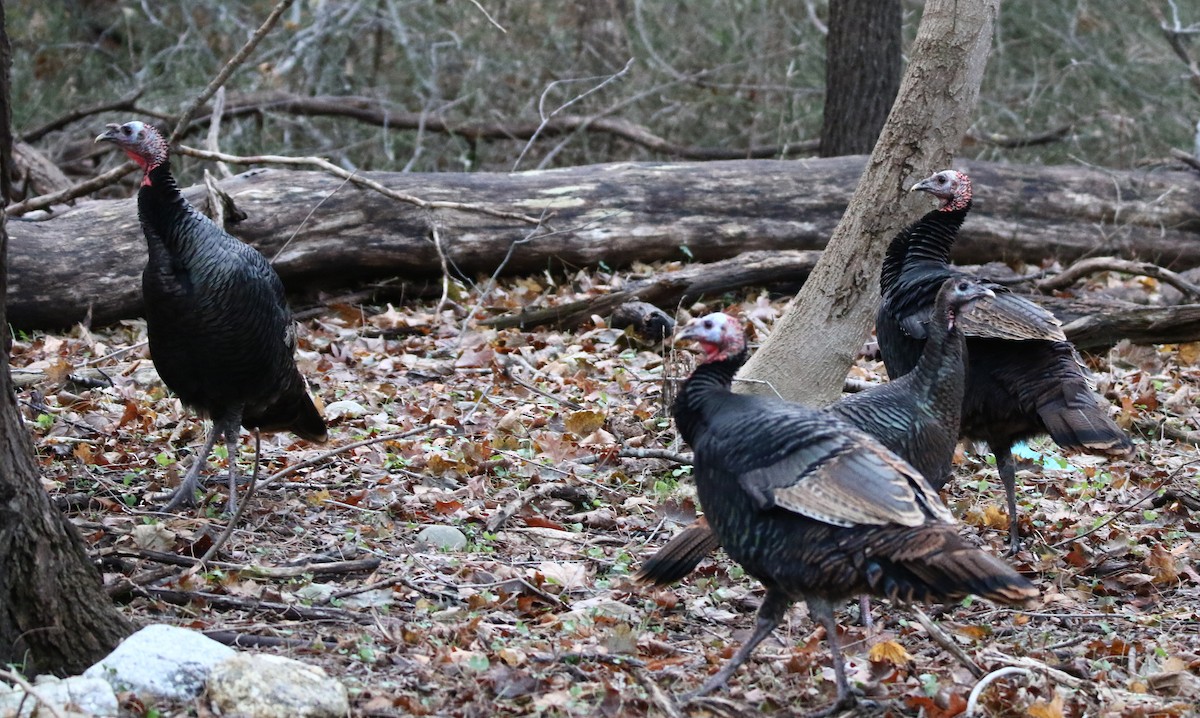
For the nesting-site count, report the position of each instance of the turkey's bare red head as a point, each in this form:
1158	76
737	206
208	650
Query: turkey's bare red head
718	334
142	142
952	187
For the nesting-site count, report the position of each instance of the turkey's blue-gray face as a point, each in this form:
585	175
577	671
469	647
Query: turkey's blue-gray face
718	334
952	187
142	142
961	296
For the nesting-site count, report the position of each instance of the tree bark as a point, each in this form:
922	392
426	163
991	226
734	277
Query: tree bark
91	256
926	124
862	73
50	618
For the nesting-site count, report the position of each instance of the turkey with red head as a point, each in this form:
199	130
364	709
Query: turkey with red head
1024	378
815	509
221	334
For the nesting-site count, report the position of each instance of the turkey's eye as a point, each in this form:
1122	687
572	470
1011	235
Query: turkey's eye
962	287
708	324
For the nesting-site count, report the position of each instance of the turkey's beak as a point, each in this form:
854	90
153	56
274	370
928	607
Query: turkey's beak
688	331
925	185
108	135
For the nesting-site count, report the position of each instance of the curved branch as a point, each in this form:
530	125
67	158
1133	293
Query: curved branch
70	193
1091	265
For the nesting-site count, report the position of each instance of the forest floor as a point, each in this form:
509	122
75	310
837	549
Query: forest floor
550	451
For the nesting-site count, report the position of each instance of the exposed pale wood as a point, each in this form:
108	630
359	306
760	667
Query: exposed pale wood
92	255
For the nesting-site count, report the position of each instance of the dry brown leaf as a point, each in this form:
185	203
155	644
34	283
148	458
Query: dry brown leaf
1042	709
582	423
889	652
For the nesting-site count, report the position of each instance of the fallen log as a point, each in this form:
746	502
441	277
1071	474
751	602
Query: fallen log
1091	323
330	234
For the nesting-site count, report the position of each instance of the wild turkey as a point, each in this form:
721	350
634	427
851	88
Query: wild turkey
1023	377
815	509
916	416
221	334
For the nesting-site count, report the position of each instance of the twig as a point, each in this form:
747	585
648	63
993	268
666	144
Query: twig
344	448
1149	495
371	111
546	118
212	139
307	217
31	691
249	640
125	103
665	703
612	659
230	67
489	17
937	634
333	169
323	568
638	453
501	515
1170	431
1186	158
1173	32
237	603
1084	267
441	253
66	195
973	700
511	376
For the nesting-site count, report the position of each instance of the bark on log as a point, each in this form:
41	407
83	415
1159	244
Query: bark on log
91	256
1091	323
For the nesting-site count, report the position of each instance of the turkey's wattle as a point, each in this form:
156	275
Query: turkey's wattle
221	334
815	509
1023	377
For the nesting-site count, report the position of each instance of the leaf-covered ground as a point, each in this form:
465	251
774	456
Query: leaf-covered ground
551	452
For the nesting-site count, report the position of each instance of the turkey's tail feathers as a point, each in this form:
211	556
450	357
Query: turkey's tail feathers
1080	422
680	556
949	573
1077	418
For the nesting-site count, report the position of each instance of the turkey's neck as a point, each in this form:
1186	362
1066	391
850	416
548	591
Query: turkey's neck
941	366
162	211
707	384
927	241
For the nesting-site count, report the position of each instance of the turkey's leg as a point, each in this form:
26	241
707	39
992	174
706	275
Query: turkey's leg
822	610
770	613
232	425
185	495
1008	476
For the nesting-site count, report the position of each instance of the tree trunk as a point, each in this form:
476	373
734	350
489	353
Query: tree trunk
91	256
837	303
862	73
53	617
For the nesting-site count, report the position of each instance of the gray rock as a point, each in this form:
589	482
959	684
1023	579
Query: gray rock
74	696
265	686
446	538
161	661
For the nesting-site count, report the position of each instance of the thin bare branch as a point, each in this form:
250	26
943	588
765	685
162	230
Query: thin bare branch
234	63
1091	265
125	103
327	166
83	188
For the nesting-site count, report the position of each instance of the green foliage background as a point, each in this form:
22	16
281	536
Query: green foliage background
725	73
